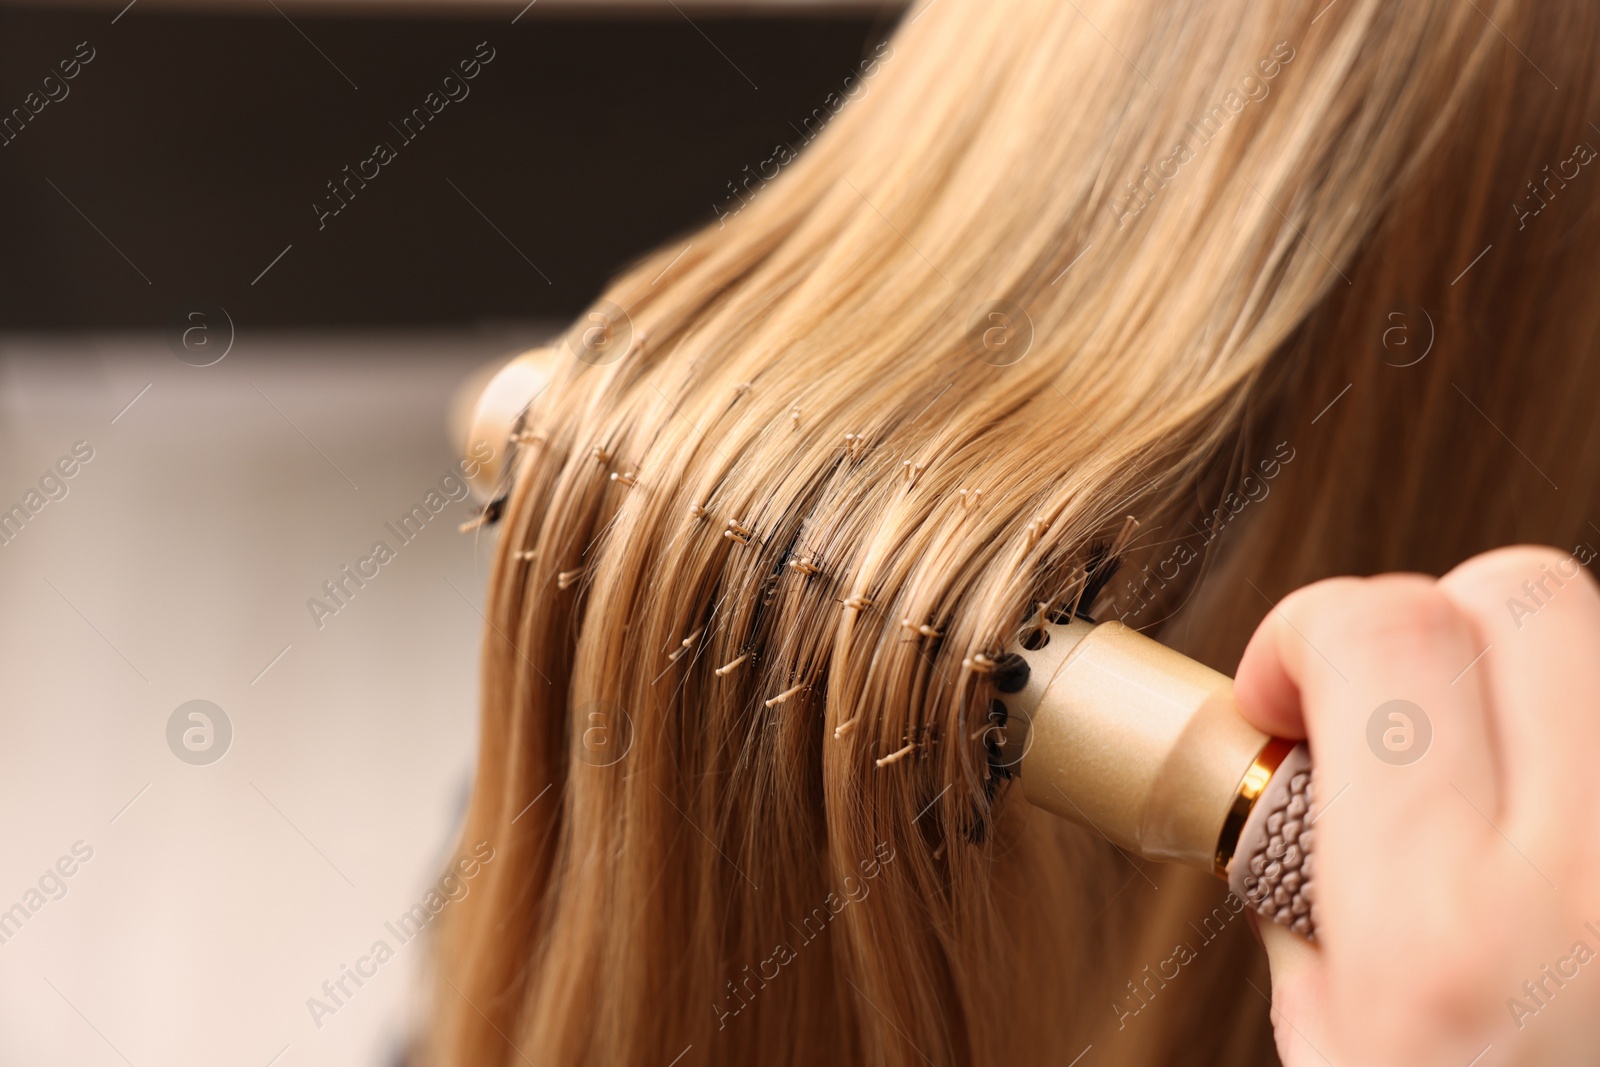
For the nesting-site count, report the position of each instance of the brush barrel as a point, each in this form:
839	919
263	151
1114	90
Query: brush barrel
498	418
1147	748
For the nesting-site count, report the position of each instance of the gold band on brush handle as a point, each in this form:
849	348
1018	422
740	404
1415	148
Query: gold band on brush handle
1251	786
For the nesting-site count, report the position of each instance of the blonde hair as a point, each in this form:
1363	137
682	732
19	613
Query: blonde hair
843	487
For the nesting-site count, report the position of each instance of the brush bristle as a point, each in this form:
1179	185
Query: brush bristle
1098	571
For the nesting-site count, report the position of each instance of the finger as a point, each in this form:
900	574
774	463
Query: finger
1536	614
1290	958
1333	660
1267	695
1298	999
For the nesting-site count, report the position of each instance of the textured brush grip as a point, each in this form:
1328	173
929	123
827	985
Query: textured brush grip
1271	868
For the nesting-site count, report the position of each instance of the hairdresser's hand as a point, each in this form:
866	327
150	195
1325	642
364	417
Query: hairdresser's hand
1457	852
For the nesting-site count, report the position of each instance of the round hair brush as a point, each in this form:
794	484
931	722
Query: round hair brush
1146	747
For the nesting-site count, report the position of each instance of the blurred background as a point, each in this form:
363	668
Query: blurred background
231	333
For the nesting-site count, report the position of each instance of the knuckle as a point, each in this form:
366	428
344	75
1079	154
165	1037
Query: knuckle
1503	587
1380	620
1512	560
1326	607
1409	615
1485	585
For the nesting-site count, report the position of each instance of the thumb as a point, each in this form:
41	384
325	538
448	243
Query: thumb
1298	1004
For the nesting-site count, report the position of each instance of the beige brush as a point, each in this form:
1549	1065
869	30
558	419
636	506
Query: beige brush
1120	734
499	416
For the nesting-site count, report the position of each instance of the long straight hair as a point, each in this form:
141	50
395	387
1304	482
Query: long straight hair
1305	288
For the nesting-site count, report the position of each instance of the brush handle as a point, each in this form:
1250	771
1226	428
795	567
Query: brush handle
1271	868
